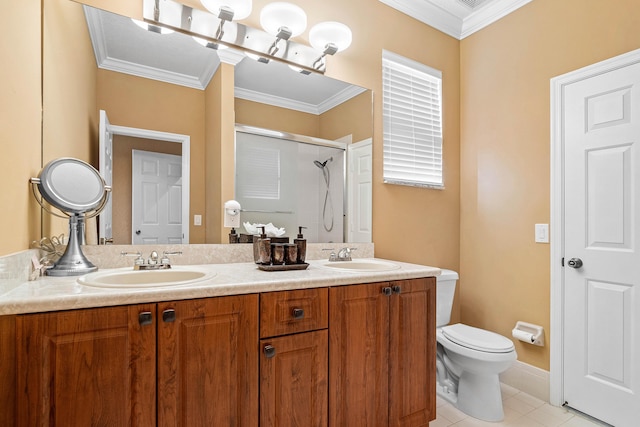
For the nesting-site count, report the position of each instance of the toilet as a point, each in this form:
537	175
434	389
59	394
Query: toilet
469	359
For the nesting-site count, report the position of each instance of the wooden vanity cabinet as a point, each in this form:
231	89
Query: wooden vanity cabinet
382	354
109	366
294	360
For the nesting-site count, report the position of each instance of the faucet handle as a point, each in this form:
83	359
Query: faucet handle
165	256
332	255
139	260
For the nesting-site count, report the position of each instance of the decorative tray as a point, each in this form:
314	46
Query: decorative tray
283	267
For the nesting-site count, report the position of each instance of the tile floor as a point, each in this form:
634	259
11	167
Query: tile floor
520	410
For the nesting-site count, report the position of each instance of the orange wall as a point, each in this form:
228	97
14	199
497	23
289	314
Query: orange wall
20	103
70	118
353	117
148	104
505	111
276	118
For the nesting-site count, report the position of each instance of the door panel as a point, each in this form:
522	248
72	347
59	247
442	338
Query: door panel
208	363
156	198
359	345
293	383
601	339
412	353
93	367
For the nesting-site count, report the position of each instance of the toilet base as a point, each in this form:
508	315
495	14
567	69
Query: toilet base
480	396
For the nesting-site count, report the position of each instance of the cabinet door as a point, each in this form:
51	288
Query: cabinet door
93	367
358	350
412	353
293	380
207	362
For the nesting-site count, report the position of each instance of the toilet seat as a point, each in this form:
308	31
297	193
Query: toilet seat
477	339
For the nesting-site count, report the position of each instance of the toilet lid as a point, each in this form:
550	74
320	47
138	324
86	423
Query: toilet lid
477	339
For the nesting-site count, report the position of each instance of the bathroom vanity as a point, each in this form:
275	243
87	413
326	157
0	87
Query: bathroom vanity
247	348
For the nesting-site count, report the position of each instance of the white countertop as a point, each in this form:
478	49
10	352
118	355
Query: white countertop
65	293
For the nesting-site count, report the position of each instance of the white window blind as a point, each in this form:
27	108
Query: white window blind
261	179
412	122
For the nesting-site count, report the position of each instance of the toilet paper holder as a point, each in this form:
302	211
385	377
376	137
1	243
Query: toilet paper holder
529	333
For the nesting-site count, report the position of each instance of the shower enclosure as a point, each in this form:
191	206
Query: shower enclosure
291	181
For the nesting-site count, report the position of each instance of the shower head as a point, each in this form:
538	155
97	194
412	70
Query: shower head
322	165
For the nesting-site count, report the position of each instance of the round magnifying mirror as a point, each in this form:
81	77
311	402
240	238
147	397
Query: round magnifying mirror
71	185
76	189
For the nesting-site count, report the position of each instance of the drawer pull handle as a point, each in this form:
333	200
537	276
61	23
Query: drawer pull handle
297	313
145	318
386	291
396	289
169	315
269	351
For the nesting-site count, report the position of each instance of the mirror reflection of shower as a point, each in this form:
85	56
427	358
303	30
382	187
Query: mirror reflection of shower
276	182
327	207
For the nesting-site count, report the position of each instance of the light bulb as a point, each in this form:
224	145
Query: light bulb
283	14
324	33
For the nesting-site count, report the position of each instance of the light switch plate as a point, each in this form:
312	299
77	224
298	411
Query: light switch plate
542	233
197	220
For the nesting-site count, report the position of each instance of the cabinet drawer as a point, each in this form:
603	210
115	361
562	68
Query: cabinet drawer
289	312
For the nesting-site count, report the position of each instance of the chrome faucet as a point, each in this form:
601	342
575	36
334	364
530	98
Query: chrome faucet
152	261
343	254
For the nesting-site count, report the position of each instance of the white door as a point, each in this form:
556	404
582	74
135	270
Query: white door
156	198
105	232
601	361
360	189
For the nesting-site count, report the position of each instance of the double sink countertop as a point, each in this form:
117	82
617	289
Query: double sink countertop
66	293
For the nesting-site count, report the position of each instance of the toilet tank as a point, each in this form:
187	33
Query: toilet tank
445	289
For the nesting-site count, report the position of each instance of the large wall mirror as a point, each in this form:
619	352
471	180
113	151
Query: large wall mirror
95	61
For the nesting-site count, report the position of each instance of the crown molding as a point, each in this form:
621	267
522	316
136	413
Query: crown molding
430	14
489	14
304	107
450	23
105	62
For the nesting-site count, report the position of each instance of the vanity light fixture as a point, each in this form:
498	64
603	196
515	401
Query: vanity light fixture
281	20
152	28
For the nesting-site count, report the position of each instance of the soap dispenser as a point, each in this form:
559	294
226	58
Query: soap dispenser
301	243
262	248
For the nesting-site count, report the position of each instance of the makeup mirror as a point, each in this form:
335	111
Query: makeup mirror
78	191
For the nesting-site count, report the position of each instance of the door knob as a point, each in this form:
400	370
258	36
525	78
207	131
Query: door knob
138	232
269	351
575	263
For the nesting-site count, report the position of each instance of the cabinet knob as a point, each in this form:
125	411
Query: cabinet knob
145	318
169	315
297	313
396	289
386	291
269	351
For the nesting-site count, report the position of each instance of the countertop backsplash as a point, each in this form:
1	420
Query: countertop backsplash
109	256
15	269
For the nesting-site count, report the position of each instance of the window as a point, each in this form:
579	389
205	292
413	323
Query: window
260	171
412	122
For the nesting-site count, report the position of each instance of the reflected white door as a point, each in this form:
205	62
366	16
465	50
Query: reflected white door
360	189
602	298
157	198
105	232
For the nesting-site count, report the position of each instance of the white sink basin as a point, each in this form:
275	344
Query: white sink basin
362	265
128	278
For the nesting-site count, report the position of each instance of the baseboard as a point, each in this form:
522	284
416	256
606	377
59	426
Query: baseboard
527	378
